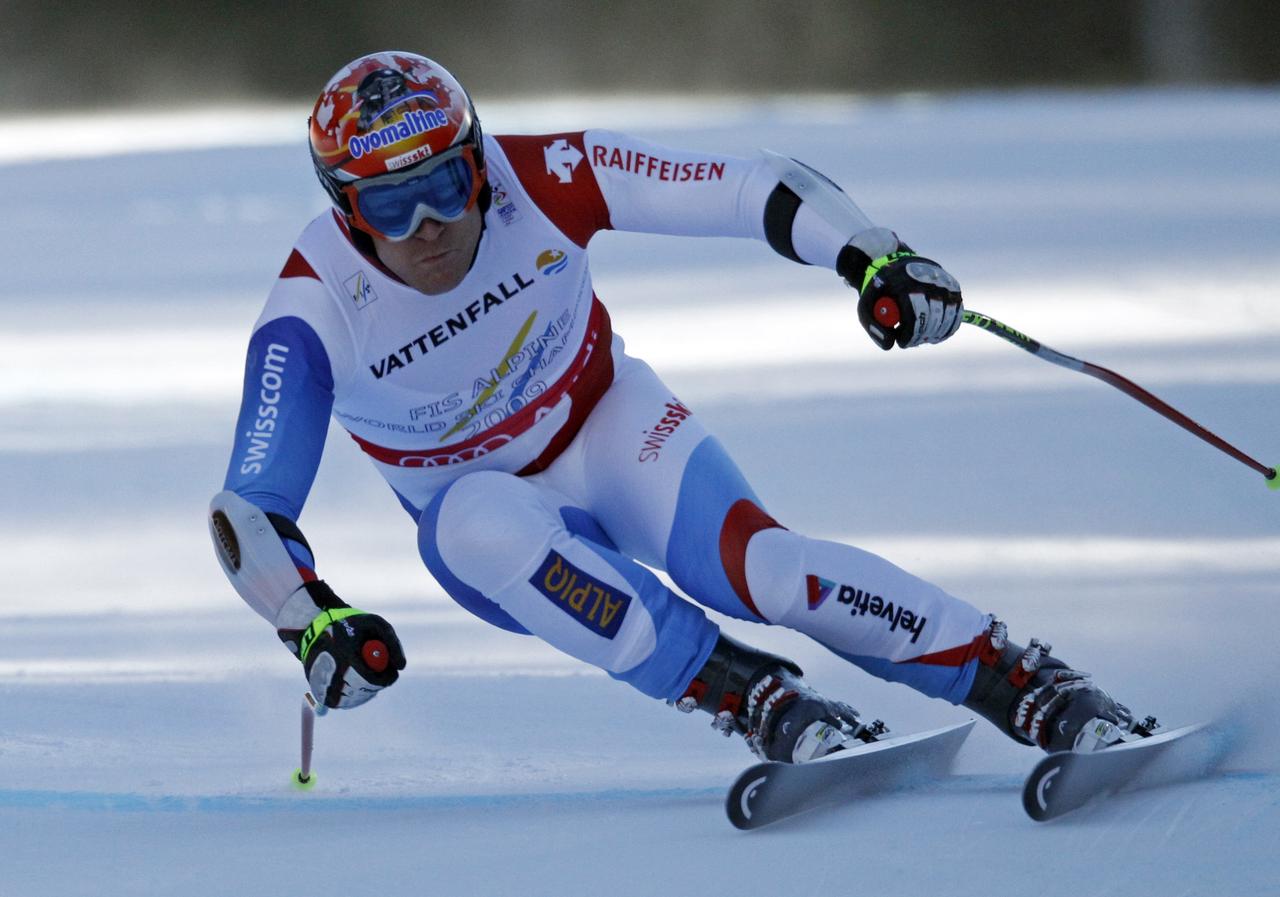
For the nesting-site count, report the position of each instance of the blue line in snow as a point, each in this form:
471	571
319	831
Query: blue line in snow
317	801
290	801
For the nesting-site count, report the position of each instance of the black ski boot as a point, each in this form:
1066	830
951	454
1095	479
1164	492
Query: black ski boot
762	697
1037	699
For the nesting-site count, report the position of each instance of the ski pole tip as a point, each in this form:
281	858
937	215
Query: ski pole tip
1273	480
303	783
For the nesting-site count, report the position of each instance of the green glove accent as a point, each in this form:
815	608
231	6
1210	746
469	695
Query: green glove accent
874	268
319	625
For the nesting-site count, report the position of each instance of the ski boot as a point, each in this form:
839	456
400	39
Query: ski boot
762	697
1037	699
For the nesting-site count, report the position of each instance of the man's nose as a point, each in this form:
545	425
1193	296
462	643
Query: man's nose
428	229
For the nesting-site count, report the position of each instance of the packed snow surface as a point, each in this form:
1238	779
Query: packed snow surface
149	720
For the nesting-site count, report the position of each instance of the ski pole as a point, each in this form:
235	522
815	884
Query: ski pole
1126	386
838	210
302	777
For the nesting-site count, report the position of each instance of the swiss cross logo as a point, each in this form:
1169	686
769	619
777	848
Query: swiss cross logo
562	159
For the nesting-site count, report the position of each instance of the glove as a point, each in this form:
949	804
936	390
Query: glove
902	297
348	655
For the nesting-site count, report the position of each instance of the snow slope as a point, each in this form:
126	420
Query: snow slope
148	720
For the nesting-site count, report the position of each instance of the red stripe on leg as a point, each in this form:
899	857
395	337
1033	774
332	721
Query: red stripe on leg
952	657
742	522
813	590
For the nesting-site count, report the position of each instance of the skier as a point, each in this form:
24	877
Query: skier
442	312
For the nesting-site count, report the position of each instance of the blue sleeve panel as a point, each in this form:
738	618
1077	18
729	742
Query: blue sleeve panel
284	417
686	637
300	554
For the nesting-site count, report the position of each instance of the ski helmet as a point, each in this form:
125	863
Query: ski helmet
395	139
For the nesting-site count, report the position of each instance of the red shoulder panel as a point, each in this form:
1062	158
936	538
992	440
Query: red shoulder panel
555	172
297	266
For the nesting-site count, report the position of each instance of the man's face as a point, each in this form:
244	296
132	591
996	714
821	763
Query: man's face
436	258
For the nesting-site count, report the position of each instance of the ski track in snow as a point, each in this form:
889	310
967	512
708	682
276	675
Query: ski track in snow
148	721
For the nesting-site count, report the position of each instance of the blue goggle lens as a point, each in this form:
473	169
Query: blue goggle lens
444	191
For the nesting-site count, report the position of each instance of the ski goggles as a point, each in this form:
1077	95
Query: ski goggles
393	206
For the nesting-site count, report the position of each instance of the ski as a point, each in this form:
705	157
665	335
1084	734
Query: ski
1065	781
771	791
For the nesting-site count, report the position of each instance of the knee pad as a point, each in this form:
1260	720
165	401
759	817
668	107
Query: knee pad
488	527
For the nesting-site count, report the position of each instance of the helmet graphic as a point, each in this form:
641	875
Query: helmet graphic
395	139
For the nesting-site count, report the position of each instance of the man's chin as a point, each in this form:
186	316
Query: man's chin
432	278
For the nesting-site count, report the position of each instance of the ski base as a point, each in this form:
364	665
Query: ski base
771	791
1065	781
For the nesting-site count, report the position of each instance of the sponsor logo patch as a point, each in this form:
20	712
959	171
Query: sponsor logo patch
862	604
594	604
508	212
552	261
263	425
404	160
360	289
655	167
673	414
417	121
440	334
819	590
561	159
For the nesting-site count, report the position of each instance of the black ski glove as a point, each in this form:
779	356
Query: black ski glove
902	297
348	655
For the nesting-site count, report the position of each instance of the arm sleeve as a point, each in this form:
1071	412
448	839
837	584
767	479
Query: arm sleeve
656	189
284	417
588	181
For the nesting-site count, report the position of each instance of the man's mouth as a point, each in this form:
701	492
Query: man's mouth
432	259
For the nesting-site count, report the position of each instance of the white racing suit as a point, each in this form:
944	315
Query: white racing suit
539	461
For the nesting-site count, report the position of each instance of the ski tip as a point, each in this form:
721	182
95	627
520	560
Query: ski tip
770	792
1036	790
738	803
1065	781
